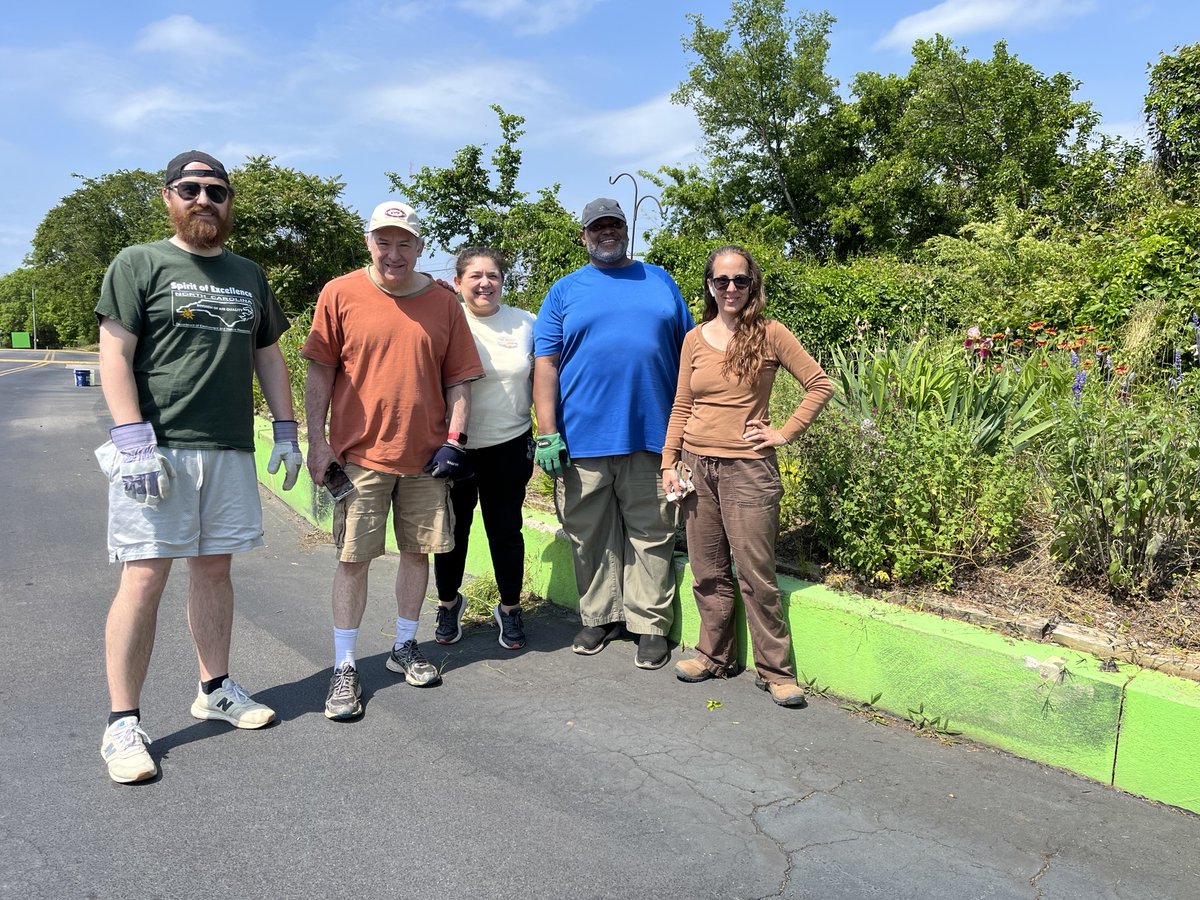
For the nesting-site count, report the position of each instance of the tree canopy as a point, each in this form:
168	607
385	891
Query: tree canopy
464	205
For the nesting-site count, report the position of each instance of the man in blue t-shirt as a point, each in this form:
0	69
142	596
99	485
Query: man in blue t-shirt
606	360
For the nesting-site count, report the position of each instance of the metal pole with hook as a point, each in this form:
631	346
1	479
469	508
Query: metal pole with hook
636	203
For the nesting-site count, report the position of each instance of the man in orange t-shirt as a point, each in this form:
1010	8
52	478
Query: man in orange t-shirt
390	361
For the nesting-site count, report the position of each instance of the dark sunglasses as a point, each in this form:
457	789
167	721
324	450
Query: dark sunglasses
721	282
190	190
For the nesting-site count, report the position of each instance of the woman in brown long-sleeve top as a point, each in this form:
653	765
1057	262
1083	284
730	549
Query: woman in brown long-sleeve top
720	426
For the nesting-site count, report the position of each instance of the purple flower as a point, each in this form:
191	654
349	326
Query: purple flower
1074	360
1077	387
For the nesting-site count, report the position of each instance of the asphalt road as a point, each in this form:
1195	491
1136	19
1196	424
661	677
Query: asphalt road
536	774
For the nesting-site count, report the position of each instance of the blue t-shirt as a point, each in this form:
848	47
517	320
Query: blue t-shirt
617	333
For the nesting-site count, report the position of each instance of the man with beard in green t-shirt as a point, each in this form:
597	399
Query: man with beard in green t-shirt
185	326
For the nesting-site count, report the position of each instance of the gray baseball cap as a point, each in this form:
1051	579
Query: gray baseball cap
601	208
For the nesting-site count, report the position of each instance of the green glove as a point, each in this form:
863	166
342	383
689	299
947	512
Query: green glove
551	454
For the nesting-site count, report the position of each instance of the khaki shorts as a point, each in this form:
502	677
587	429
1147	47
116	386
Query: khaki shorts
421	515
213	507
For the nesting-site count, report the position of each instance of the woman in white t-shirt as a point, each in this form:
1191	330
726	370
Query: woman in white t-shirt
499	448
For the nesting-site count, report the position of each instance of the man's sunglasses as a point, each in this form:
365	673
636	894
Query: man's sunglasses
190	190
721	282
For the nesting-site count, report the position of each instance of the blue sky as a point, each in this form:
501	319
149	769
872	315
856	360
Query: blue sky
357	88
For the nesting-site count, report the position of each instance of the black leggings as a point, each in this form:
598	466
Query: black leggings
501	474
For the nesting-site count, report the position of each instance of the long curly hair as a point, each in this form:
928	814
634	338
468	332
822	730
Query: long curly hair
744	355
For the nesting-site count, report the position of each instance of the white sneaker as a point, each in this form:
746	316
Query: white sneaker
230	703
123	748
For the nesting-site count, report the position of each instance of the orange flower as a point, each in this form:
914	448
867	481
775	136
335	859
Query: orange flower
1044	362
1019	342
1051	331
1121	370
1104	348
998	336
1087	362
1041	342
1036	326
1088	328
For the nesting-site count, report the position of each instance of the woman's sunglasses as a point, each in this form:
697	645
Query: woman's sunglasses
721	282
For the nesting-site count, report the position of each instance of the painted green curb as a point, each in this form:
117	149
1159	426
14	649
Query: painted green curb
1159	751
1136	729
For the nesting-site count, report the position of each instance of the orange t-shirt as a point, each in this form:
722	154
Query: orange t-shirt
394	357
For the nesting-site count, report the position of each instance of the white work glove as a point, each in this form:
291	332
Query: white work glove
145	473
286	451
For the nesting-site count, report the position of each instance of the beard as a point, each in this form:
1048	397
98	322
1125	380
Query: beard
203	234
607	256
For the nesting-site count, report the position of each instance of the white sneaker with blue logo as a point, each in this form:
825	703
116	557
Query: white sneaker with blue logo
123	748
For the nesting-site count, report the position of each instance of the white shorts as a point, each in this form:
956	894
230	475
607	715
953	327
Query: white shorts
212	507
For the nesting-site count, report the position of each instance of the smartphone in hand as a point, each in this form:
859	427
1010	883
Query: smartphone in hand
337	482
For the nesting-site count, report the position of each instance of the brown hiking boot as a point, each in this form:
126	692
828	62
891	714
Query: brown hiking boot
692	670
787	693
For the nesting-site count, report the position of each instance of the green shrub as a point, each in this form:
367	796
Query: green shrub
905	499
290	343
1123	471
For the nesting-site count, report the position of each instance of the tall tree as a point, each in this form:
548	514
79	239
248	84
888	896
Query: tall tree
767	108
79	237
955	137
1173	115
296	227
466	204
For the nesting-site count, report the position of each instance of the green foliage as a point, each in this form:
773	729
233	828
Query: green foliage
831	305
464	205
1157	263
956	136
997	412
79	237
1173	115
762	97
290	343
1008	273
903	499
1123	473
16	308
296	227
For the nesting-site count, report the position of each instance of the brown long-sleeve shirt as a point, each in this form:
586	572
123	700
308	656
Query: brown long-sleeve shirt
710	413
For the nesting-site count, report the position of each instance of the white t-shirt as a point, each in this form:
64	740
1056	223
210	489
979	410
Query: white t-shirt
500	400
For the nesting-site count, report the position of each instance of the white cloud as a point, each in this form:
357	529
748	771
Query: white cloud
958	18
183	34
652	133
143	108
530	16
454	104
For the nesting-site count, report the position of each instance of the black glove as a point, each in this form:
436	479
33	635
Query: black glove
449	462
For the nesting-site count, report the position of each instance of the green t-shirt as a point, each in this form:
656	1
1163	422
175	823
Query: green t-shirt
198	320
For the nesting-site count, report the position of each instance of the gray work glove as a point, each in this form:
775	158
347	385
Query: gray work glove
145	473
286	451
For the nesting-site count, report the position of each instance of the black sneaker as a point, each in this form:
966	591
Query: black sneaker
653	651
449	622
591	640
409	661
345	694
512	628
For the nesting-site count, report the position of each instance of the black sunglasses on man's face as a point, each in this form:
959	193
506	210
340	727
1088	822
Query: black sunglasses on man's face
190	190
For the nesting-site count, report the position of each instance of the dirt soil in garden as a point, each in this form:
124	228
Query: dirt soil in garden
1030	596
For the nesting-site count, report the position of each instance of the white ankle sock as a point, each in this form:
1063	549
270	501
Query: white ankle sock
406	630
344	641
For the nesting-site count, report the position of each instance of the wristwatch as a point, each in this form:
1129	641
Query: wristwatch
459	437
